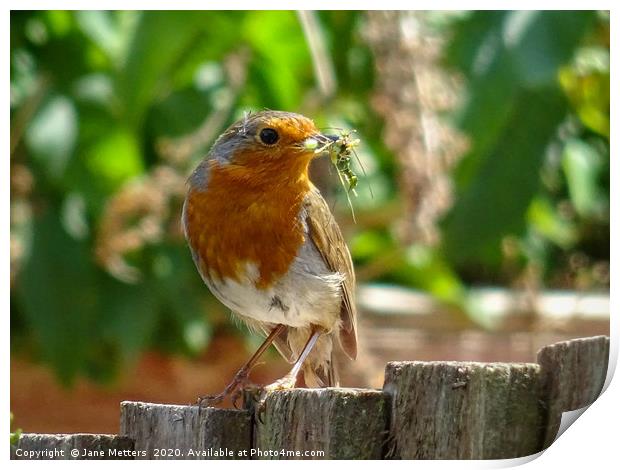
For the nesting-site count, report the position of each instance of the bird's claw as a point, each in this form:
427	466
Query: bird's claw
285	383
234	389
210	399
240	393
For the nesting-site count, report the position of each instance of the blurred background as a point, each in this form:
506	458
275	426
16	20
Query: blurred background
482	226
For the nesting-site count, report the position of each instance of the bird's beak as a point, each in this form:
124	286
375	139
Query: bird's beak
319	143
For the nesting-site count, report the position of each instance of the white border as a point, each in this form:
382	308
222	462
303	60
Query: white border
590	442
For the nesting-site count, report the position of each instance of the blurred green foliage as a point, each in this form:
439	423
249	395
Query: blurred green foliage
15	434
513	110
96	95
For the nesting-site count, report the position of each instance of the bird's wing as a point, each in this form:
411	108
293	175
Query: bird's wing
328	239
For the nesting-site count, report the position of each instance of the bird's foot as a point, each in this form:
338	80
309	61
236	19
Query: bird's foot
285	383
234	390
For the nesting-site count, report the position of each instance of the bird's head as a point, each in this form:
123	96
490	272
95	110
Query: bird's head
270	141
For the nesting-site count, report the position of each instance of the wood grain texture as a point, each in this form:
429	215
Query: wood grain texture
572	374
60	447
460	410
426	410
342	423
187	432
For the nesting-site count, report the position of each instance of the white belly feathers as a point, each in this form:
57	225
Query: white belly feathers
308	294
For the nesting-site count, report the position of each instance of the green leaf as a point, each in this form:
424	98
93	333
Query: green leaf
582	166
282	65
531	45
103	28
65	58
427	269
57	290
549	223
132	316
15	434
347	49
182	296
474	39
494	202
52	135
94	91
586	82
370	243
196	335
218	38
484	116
514	106
503	53
539	42
59	21
478	50
180	113
115	158
160	42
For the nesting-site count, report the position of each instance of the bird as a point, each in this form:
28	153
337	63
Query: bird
266	244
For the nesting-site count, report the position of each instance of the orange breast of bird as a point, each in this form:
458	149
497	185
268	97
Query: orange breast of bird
244	216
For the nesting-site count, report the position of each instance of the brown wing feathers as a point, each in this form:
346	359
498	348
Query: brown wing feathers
328	239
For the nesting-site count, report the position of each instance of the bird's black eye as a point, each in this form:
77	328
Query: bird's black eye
269	136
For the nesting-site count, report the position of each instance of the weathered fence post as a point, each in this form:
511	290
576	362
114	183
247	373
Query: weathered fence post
342	423
186	432
573	374
460	410
426	410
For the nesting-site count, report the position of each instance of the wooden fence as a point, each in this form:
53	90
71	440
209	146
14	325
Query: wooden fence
426	410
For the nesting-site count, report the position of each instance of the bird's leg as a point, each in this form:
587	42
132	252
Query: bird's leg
290	379
241	376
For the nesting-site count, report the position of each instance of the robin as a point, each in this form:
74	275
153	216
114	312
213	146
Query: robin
267	246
